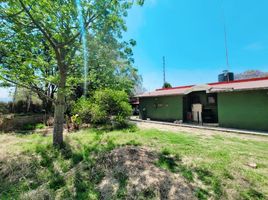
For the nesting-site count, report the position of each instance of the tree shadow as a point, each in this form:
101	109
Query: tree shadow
174	164
47	169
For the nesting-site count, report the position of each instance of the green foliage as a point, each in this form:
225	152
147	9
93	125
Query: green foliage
77	121
110	105
167	85
41	48
105	107
40	126
82	107
33	35
122	190
201	194
251	194
33	126
133	143
56	181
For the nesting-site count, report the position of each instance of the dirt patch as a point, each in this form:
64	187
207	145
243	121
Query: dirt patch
8	146
131	173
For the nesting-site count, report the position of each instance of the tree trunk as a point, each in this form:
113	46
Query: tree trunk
59	120
14	99
29	100
60	107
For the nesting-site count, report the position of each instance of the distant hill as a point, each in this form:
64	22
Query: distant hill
250	74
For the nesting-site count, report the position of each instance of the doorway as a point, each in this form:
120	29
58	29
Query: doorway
207	103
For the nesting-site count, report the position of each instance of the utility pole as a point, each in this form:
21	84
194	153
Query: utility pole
164	70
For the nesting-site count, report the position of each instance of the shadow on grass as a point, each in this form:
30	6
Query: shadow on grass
126	127
47	171
174	164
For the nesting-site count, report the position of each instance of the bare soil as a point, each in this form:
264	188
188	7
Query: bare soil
132	170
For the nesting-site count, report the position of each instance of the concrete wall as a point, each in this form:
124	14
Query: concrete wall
244	110
167	108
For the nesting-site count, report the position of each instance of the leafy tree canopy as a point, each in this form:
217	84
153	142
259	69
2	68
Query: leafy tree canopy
41	45
167	85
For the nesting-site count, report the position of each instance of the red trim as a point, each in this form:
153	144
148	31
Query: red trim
180	87
218	83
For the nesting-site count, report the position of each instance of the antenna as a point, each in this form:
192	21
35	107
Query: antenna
164	70
225	37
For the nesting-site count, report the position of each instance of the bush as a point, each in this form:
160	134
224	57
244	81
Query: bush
110	106
105	107
82	108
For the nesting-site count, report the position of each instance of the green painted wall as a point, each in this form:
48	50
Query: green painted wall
244	110
167	108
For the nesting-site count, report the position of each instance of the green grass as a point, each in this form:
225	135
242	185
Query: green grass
216	165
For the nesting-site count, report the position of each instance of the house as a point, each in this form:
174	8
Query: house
241	104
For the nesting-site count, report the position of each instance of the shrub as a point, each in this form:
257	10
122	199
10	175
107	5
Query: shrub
105	107
82	108
110	106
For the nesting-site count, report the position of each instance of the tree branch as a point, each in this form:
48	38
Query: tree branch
33	88
42	29
78	33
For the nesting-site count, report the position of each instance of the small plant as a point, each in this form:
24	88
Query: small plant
201	194
252	194
122	179
209	179
29	127
133	143
40	126
56	181
76	121
148	193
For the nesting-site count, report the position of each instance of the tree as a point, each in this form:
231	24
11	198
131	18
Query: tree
114	67
29	25
167	85
251	74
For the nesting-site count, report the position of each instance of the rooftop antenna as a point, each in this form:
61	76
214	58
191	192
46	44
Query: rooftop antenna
164	70
225	41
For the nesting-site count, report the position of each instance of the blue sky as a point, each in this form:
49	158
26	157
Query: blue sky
190	34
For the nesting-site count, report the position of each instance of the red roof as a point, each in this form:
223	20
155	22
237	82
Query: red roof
236	85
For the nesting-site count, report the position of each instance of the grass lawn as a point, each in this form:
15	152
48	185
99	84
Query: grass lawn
216	166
